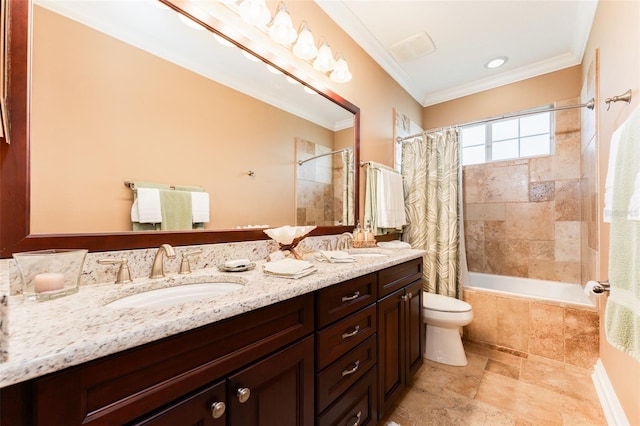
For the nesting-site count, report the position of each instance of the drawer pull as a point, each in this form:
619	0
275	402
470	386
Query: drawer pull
218	409
354	296
243	395
352	370
407	297
357	416
355	331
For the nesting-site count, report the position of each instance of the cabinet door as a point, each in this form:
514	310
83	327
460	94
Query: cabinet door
275	391
414	329
204	408
391	352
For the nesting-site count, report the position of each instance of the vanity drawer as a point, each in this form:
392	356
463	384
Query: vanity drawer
336	302
337	377
339	338
391	279
358	406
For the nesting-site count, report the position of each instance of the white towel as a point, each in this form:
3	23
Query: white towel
200	207
146	207
390	200
289	268
633	211
611	168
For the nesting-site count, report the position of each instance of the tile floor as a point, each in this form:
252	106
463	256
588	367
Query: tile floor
498	388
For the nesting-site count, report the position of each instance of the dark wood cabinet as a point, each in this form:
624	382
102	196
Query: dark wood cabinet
338	356
275	391
400	337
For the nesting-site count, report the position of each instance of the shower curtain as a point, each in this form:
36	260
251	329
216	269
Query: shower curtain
432	175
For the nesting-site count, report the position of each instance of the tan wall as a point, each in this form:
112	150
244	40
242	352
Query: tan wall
533	92
522	217
616	36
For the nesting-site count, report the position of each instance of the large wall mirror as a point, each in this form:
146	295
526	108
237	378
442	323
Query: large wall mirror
115	97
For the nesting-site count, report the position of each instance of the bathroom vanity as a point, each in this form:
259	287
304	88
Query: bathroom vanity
335	347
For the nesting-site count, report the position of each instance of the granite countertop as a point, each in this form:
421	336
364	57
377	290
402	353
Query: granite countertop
49	336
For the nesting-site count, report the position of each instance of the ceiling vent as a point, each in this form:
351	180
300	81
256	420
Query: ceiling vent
412	47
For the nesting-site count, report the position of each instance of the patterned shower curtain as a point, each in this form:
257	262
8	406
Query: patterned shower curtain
431	172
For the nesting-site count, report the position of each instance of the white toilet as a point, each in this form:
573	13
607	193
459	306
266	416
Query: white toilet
444	316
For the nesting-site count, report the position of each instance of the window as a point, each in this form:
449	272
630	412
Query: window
506	139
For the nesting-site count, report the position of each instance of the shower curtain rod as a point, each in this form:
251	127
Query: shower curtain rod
301	162
589	104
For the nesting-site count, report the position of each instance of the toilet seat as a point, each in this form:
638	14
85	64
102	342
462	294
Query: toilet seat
440	303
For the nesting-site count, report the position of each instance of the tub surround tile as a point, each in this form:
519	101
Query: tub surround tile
485	211
541	250
541	191
567	241
513	323
530	221
581	337
484	326
567	200
568	120
494	229
546	331
560	166
508	183
507	257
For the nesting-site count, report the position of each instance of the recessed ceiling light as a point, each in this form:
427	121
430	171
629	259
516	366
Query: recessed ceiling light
496	62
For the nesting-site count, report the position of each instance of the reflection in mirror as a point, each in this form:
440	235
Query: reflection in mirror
117	98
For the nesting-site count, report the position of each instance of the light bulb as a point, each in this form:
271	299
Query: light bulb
281	29
340	73
305	48
189	23
254	12
324	61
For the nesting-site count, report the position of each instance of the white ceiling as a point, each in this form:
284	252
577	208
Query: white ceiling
537	36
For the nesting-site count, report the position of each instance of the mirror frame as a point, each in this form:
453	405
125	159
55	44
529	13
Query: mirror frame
15	167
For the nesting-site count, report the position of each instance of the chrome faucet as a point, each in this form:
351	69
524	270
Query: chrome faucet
157	269
344	241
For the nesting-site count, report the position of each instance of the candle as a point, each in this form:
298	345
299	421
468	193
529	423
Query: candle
50	281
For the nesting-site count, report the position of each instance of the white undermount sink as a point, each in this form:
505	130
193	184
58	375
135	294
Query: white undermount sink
171	296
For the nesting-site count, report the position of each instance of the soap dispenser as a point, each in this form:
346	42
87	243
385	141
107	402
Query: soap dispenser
357	233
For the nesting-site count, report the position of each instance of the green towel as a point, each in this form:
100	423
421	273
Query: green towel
622	314
176	210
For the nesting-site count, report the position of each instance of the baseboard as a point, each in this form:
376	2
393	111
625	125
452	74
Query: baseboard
608	400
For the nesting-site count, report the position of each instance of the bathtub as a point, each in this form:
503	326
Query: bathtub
549	291
524	316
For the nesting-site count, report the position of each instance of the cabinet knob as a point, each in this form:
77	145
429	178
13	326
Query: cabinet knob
407	297
243	395
218	409
352	333
357	417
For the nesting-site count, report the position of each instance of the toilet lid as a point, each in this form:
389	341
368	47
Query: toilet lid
437	302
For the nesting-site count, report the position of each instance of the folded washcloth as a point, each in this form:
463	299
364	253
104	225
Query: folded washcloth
396	244
289	268
334	256
200	207
146	207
